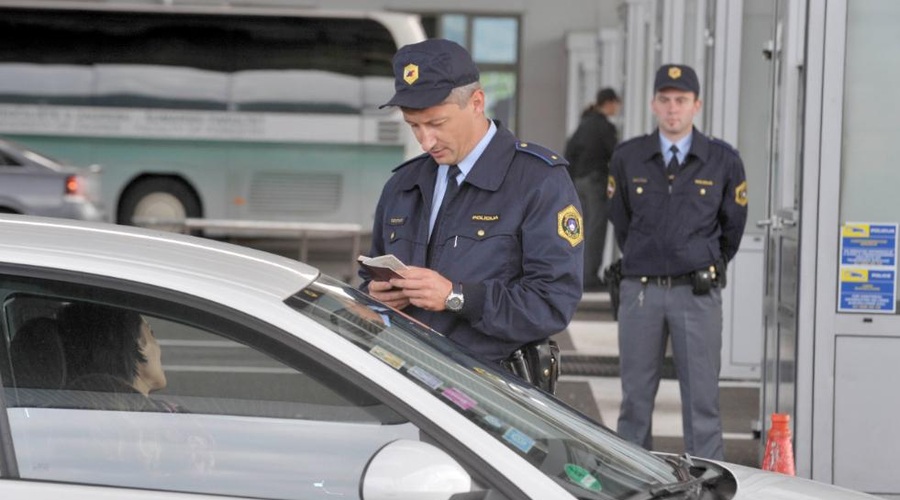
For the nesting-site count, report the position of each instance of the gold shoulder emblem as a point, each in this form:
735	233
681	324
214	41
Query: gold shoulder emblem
611	187
740	194
569	225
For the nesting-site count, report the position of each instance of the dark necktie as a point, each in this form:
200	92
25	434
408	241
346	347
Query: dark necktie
673	162
449	193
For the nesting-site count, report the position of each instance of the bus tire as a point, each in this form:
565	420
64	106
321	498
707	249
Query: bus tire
158	198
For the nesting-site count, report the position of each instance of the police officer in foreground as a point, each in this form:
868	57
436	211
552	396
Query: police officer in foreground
489	225
678	202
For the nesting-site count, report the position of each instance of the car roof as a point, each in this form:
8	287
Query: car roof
190	264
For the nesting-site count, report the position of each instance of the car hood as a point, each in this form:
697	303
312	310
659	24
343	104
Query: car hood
758	484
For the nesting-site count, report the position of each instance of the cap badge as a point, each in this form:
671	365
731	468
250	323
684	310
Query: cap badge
411	73
674	72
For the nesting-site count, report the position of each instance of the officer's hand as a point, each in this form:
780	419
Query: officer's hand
424	288
383	291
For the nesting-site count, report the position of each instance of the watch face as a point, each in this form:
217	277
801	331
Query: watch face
454	303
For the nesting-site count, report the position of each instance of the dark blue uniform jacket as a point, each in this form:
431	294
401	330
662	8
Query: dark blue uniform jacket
672	232
512	237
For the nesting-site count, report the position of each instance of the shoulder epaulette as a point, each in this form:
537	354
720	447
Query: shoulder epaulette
549	156
409	161
629	141
724	144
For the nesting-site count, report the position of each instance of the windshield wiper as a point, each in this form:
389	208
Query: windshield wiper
694	485
685	465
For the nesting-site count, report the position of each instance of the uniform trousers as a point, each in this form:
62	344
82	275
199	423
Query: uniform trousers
648	315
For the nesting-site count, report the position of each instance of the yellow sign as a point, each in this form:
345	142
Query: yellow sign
855	231
854	275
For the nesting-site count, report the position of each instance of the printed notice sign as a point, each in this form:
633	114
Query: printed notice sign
869	245
868	270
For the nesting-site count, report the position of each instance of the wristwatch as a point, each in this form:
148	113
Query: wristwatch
455	300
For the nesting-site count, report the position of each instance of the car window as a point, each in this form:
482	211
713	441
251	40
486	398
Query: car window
216	404
8	161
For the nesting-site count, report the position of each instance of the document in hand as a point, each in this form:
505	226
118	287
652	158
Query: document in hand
383	267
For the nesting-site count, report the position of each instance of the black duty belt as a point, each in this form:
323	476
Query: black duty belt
663	281
537	363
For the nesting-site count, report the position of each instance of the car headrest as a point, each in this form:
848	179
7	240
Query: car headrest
38	359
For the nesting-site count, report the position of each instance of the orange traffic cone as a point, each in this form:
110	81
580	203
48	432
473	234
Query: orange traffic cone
779	455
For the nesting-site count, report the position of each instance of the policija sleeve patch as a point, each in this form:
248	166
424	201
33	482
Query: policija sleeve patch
569	225
740	194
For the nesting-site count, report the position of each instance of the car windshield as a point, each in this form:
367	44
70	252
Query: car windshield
35	157
555	438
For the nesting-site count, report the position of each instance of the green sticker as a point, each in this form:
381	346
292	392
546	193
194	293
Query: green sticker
581	477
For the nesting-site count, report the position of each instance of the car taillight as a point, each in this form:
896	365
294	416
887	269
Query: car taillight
73	185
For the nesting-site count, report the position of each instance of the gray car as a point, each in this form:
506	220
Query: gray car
252	375
32	183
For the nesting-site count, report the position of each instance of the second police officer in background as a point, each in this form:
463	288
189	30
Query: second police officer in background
489	226
678	202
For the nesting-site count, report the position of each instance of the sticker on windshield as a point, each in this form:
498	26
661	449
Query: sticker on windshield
388	357
519	439
459	398
493	421
582	477
484	373
425	377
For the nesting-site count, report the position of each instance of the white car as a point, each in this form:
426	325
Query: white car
281	382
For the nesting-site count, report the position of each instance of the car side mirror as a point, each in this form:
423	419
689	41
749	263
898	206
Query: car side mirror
412	470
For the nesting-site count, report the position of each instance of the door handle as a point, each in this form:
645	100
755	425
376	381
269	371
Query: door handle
764	223
788	222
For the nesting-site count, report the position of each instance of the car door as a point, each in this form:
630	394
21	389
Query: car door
247	410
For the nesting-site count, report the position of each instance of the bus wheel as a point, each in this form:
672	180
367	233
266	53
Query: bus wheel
158	199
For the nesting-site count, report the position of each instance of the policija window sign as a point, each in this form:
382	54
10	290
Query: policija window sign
868	269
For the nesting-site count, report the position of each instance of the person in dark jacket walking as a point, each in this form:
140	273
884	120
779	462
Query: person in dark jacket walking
678	203
588	152
489	225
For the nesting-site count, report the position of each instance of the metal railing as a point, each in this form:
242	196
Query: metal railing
239	228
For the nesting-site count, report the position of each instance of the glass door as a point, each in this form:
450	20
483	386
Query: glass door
784	51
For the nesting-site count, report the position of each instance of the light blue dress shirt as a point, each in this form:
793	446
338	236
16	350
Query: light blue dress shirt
465	166
684	145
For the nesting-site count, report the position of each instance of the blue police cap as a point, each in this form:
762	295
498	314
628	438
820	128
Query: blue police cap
676	76
426	72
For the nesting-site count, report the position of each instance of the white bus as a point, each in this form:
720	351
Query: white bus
209	109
